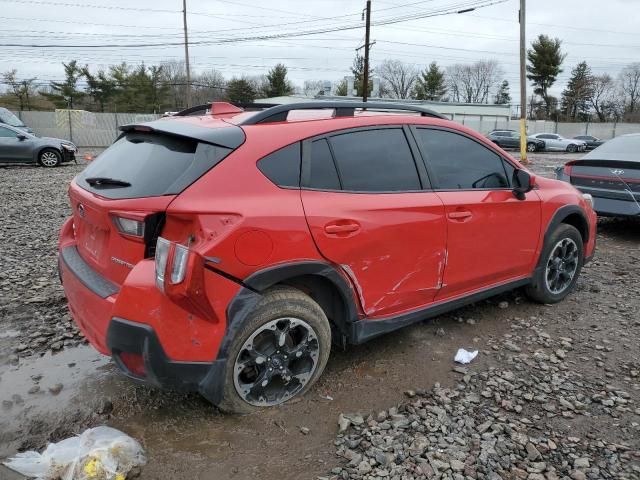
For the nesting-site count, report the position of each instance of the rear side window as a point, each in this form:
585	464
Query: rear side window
461	163
375	161
324	175
152	164
282	167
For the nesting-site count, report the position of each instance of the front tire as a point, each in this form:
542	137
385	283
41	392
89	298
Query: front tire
560	266
50	157
279	354
531	147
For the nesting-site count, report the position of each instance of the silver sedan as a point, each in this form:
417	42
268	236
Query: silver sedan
18	146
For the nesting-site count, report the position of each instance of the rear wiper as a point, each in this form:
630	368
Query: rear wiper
106	181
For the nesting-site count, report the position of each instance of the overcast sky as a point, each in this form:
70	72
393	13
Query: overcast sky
605	34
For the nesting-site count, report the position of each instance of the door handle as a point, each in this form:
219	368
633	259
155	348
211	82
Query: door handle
460	215
333	228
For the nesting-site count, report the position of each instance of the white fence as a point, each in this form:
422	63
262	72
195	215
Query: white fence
87	129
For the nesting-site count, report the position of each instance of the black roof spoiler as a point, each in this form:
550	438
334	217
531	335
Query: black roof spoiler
229	136
341	108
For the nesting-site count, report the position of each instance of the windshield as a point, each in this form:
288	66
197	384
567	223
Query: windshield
9	118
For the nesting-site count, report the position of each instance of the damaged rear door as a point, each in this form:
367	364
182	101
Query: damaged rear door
369	210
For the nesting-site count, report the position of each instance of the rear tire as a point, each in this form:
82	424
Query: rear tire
572	148
50	157
559	267
262	350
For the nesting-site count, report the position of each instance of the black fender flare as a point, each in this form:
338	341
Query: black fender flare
559	217
238	310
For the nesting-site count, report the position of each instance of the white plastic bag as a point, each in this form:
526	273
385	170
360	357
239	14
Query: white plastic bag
463	356
100	453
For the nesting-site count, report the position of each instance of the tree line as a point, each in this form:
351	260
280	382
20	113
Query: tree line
163	87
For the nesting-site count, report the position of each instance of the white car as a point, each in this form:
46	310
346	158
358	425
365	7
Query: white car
557	143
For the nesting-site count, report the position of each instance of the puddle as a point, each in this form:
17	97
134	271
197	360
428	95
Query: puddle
82	372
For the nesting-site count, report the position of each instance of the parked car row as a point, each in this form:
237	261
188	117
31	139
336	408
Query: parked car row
550	142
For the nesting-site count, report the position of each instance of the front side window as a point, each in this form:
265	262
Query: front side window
377	160
460	163
6	133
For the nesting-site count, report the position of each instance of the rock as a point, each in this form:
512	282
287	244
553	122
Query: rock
105	407
512	347
503	304
456	465
582	462
304	430
440	332
55	389
343	423
34	389
532	452
364	467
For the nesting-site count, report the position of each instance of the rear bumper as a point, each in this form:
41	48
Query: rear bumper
613	203
180	350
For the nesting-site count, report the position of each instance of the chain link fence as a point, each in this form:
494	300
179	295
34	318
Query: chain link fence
88	129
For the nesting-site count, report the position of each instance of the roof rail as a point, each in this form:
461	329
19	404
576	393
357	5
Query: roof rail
342	109
214	108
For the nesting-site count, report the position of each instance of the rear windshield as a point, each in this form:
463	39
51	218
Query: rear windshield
148	165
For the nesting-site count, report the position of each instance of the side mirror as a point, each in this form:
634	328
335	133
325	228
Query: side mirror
22	137
523	182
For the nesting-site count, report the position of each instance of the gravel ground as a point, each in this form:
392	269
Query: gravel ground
554	392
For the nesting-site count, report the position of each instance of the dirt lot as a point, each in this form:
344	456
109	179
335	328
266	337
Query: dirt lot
554	391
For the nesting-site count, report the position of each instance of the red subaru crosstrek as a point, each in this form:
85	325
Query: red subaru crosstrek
224	253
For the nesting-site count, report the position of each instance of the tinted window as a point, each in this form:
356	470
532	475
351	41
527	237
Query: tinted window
282	167
461	163
323	170
153	164
375	161
5	132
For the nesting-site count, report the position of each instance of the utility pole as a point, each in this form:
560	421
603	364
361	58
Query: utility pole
523	86
186	52
365	77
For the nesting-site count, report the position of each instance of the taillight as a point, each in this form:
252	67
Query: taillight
180	276
179	266
173	257
163	248
567	168
129	226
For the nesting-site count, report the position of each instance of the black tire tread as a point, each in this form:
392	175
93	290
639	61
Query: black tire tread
537	290
278	302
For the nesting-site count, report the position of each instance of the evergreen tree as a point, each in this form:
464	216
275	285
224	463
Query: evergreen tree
576	97
357	69
66	94
100	87
341	88
503	96
545	59
240	90
277	84
431	84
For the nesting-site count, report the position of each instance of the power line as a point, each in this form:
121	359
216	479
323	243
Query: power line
389	21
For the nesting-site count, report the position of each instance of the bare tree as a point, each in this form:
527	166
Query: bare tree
630	85
175	76
604	97
473	83
398	77
209	86
21	89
